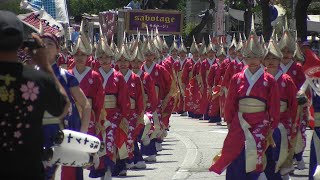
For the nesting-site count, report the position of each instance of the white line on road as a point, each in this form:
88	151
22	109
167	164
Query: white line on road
189	160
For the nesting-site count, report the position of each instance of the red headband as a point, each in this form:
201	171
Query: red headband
52	37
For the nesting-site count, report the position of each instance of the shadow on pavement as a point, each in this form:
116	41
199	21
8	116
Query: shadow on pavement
147	169
161	162
164	154
174	140
128	176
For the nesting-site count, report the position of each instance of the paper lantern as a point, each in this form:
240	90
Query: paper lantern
69	157
78	141
273	12
316	174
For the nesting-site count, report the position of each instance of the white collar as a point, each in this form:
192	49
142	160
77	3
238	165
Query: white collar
237	60
139	72
252	78
127	76
181	63
279	73
176	59
244	62
105	75
149	70
285	68
78	75
195	61
211	61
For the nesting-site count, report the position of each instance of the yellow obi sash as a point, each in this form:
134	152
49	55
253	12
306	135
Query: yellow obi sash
110	101
283	147
283	106
157	90
49	119
250	145
190	74
251	105
317	119
132	103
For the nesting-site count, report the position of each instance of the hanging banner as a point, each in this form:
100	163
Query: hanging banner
167	21
57	8
49	24
108	22
311	66
220	18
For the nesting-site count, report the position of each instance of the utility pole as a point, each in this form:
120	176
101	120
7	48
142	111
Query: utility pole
293	21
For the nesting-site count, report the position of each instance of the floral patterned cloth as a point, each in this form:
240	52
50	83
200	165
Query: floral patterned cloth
24	97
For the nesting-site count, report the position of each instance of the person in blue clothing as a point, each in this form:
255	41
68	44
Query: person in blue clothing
73	120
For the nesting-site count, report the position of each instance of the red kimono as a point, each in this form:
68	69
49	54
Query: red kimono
136	110
164	91
204	71
63	61
233	68
116	107
178	67
151	104
223	68
72	64
149	90
294	70
91	84
288	102
168	64
213	81
253	109
190	77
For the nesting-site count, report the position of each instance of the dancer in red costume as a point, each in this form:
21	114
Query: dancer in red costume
252	114
178	67
294	70
91	84
206	65
112	128
191	78
282	135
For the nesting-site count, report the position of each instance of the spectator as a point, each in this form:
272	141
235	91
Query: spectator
25	94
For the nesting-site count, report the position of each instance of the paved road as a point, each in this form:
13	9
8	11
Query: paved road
188	152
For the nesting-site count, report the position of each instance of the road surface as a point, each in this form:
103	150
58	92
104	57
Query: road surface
188	151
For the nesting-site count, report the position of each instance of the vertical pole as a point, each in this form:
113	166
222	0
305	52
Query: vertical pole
293	22
227	19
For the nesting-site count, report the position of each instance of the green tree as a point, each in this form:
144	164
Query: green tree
78	7
13	6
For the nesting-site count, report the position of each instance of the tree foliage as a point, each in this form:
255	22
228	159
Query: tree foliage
13	6
78	7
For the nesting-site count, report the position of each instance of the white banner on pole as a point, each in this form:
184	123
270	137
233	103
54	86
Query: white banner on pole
220	18
49	24
56	8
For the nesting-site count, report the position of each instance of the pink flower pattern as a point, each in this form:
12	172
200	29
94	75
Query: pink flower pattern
30	108
29	91
17	134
